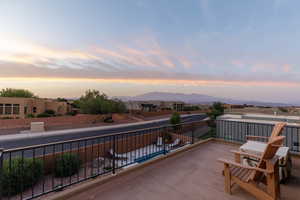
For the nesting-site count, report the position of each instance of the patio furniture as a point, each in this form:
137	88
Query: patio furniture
257	148
249	178
176	143
117	156
277	130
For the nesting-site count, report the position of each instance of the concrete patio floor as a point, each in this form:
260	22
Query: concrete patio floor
191	175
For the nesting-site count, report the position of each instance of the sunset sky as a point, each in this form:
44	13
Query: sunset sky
239	49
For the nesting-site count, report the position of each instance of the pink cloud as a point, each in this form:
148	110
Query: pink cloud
287	68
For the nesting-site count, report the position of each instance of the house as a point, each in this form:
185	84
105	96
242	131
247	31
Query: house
153	106
14	107
172	105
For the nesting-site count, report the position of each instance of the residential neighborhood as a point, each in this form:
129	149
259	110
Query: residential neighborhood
149	100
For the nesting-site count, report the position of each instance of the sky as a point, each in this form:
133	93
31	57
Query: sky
244	50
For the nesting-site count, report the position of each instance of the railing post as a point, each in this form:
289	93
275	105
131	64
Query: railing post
164	139
193	129
1	171
247	128
114	154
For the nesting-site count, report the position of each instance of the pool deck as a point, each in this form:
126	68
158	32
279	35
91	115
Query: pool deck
191	175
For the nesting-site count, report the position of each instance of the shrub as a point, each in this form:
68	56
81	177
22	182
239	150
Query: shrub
67	164
6	118
191	108
50	112
20	174
175	120
108	119
42	115
72	113
282	109
30	116
216	110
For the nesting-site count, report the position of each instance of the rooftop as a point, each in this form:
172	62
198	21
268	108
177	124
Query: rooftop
194	174
262	118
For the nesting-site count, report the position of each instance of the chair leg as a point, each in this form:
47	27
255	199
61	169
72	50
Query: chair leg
237	157
273	185
227	179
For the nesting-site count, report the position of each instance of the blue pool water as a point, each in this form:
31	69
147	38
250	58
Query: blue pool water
149	156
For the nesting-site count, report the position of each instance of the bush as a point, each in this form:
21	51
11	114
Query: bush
27	171
282	109
216	110
67	164
108	119
72	113
175	119
191	108
42	115
50	112
30	116
6	118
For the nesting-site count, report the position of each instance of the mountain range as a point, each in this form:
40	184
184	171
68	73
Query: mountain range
193	99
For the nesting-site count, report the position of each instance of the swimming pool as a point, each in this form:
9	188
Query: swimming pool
150	156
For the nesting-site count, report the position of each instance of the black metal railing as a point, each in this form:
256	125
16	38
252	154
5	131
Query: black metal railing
30	172
237	131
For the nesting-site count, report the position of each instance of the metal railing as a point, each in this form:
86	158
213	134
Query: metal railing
237	131
30	172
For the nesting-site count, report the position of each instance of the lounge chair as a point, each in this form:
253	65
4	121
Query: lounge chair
249	178
176	143
277	131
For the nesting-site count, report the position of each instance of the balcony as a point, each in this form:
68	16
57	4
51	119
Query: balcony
191	175
142	164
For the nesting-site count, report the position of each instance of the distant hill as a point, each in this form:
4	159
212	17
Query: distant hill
192	98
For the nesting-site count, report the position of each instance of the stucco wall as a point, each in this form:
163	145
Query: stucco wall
50	121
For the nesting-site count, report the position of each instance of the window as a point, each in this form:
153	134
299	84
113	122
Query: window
34	109
8	109
25	110
16	109
1	109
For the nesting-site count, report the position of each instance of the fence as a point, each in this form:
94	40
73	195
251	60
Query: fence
237	131
30	172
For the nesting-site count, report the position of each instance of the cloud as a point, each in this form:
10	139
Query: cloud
287	68
143	60
145	53
93	74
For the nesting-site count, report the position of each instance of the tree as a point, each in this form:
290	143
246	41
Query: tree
11	92
216	110
283	109
93	102
175	118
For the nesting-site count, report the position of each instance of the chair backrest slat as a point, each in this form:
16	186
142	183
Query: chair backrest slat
268	154
277	130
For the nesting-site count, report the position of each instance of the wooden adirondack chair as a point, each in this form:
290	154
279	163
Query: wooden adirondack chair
277	131
250	178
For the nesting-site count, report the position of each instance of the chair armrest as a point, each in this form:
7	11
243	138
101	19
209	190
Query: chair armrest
246	154
229	162
254	137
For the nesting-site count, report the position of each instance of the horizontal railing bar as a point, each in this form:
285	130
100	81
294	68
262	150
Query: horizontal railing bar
257	123
237	130
96	137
